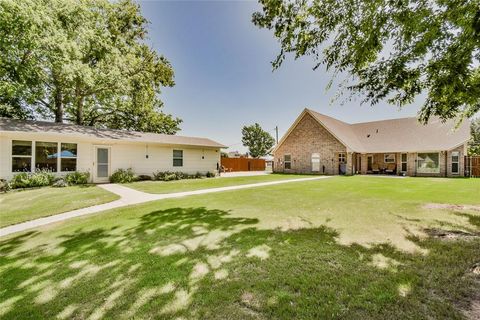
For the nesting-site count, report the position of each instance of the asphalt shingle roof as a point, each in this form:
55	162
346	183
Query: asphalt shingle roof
396	135
12	125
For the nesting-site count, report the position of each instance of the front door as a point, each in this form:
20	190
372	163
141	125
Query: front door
102	164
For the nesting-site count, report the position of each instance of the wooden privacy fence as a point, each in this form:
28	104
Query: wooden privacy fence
472	166
243	164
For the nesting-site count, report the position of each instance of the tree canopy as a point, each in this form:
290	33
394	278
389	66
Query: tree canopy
391	50
474	145
258	141
85	62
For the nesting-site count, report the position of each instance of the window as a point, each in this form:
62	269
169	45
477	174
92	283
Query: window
21	156
389	158
46	156
287	161
428	163
68	157
178	158
404	162
341	158
455	161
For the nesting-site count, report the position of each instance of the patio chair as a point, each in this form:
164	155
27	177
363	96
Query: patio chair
391	168
375	168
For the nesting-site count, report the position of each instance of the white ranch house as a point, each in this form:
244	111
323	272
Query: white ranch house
63	148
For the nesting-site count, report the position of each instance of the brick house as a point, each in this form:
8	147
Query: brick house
319	144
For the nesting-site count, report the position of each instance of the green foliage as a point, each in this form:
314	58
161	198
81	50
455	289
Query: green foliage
77	177
258	141
392	50
211	174
4	186
39	178
143	177
474	145
122	176
171	176
84	62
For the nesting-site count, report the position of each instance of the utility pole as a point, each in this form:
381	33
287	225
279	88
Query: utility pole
276	133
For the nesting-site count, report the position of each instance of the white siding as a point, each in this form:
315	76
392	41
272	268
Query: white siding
161	158
123	155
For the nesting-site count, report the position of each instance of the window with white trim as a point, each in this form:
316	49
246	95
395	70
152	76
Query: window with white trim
46	156
68	157
455	162
342	158
428	163
21	156
287	161
389	158
178	158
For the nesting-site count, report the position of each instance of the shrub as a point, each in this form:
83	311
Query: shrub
211	174
60	183
143	177
169	176
122	176
39	178
4	185
77	177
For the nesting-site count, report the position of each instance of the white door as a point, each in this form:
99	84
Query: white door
102	164
315	162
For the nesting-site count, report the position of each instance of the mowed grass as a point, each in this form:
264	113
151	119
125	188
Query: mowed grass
22	205
206	183
307	250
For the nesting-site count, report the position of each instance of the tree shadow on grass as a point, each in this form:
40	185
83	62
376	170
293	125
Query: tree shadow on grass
201	263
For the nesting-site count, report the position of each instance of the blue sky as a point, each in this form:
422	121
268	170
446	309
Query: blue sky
224	78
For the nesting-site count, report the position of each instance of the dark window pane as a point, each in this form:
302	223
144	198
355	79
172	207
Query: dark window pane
178	162
46	156
404	157
288	165
178	153
455	167
21	148
69	150
69	164
21	164
287	157
404	166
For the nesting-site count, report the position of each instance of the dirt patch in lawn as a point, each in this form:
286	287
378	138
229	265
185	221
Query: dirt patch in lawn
446	206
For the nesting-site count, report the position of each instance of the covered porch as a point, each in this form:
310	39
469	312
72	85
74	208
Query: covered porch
381	163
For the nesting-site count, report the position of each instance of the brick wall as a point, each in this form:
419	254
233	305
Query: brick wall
306	138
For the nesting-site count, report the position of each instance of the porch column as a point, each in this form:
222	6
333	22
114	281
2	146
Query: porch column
363	169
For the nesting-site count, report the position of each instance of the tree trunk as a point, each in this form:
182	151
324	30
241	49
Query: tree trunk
79	105
58	106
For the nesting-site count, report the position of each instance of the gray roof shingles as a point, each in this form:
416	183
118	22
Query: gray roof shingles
12	125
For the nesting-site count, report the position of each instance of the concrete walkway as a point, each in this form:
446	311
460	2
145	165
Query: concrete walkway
130	196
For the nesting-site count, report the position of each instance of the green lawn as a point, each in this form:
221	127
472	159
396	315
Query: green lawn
19	206
206	183
343	247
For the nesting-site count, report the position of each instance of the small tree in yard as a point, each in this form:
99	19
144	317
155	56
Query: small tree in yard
474	146
258	141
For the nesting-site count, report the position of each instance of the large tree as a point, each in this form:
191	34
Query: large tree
474	145
392	50
81	61
258	141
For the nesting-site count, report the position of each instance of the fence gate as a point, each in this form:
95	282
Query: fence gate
472	166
